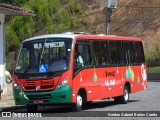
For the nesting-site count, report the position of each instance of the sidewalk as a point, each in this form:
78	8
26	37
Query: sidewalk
7	101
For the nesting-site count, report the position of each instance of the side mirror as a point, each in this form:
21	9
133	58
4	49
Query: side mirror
80	65
77	65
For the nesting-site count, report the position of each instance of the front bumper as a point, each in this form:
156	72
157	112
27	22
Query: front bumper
59	95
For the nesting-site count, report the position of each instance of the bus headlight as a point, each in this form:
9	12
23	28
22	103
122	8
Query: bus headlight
15	85
63	83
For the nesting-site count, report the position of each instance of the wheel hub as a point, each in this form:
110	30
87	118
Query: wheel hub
126	96
79	100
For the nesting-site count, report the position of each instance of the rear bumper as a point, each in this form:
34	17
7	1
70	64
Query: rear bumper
57	96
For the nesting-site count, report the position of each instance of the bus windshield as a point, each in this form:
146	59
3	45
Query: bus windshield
44	55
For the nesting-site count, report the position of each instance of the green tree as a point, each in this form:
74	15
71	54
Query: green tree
14	2
52	16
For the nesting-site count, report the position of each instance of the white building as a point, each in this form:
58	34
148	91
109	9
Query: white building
7	10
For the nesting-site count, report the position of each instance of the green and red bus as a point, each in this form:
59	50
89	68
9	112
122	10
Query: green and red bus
48	71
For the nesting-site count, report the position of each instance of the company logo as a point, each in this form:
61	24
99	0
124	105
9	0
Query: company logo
38	87
6	114
110	73
51	82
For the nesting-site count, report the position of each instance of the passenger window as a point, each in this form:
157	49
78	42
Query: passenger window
112	48
139	53
125	53
119	52
131	53
97	53
104	54
101	56
83	56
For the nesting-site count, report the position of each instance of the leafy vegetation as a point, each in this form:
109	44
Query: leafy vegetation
14	2
153	56
153	59
153	69
52	16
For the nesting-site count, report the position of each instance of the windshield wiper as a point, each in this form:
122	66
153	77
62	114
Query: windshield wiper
41	57
52	71
55	72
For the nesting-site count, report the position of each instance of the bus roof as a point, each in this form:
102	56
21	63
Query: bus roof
84	36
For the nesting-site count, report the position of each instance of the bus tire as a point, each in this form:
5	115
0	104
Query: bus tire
124	98
32	108
79	103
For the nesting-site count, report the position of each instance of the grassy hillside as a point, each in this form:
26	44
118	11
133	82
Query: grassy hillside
137	18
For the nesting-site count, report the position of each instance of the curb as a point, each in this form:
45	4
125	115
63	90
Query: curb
11	108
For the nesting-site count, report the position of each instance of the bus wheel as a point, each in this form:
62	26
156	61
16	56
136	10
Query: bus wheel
32	108
79	103
124	98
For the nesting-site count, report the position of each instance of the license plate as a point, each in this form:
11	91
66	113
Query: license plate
38	101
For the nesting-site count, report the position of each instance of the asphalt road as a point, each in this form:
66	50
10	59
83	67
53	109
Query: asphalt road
148	100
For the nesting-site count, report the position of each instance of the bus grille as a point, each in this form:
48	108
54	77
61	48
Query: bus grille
30	85
39	97
42	87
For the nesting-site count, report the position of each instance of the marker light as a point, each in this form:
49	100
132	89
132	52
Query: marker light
63	83
15	85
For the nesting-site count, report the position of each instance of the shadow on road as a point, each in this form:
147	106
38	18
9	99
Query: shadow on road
103	104
67	110
91	106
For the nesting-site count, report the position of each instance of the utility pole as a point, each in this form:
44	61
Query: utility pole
108	19
110	5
